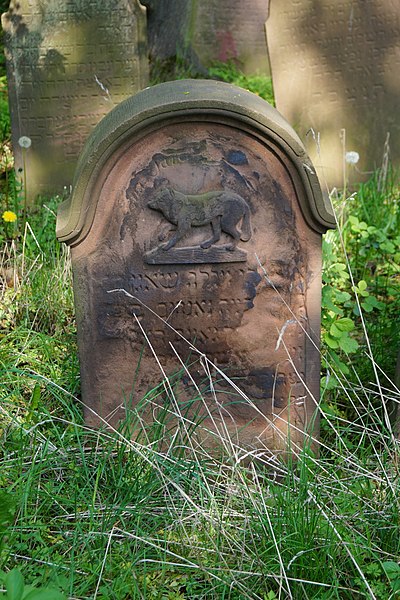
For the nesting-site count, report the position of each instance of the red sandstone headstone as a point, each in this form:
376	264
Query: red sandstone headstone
195	227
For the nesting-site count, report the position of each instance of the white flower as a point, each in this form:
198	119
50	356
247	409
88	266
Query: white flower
24	141
352	158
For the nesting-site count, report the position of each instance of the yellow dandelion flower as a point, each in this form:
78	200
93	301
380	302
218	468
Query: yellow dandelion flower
9	216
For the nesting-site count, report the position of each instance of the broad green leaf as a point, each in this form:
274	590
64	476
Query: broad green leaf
348	344
335	331
367	306
392	571
345	324
340	268
353	220
376	303
27	590
362	285
342	296
338	363
14	583
7	509
388	247
329	383
43	594
330	341
391	568
361	290
328	303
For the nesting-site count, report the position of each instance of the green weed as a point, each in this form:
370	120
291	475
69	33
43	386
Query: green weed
258	84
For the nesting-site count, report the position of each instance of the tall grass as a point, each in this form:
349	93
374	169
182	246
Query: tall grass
99	515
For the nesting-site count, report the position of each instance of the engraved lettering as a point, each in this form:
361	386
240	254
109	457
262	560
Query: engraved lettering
163	280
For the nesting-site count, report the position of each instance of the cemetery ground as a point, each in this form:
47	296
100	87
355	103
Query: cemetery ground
94	514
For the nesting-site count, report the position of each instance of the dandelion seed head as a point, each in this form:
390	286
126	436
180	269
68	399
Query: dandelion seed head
24	141
352	158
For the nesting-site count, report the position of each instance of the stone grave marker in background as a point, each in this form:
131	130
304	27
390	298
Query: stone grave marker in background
195	228
335	65
232	30
68	63
205	32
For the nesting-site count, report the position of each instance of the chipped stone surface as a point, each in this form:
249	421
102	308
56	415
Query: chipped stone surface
69	62
335	66
200	265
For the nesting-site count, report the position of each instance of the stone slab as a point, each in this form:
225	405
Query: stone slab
335	66
195	229
205	32
232	30
68	63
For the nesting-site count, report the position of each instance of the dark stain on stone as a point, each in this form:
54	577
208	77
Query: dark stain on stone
239	179
237	157
263	383
252	280
281	201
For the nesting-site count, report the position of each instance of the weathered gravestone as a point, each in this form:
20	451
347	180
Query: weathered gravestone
205	32
195	226
335	66
68	63
232	30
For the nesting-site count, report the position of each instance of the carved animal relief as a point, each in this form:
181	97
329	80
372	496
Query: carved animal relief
222	210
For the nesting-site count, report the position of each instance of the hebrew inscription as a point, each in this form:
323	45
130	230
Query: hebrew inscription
189	301
334	66
69	63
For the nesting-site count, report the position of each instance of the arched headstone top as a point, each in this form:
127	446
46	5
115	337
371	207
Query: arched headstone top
185	101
